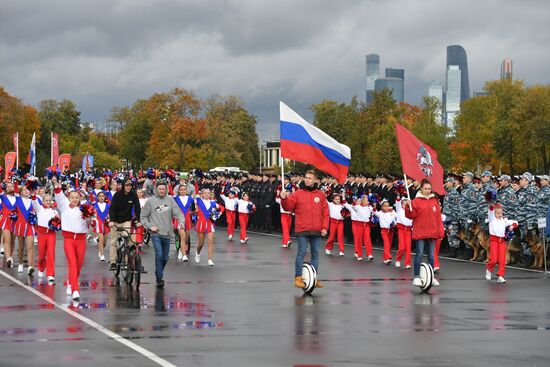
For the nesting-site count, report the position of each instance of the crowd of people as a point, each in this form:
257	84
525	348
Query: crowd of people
486	212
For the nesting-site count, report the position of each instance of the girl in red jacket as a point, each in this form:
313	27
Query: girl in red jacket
427	226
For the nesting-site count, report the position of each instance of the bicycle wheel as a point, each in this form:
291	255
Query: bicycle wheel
129	269
118	261
137	262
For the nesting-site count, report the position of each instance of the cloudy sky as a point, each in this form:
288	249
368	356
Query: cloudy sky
107	53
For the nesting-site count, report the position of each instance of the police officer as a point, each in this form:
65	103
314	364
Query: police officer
451	210
468	200
527	208
266	199
486	187
543	202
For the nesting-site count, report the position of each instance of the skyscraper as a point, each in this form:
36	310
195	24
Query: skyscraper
396	85
395	73
452	95
456	55
506	70
435	89
373	73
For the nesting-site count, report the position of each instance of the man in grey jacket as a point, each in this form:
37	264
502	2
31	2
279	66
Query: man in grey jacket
157	216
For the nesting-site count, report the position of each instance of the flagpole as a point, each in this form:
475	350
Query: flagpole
34	148
51	149
408	193
17	150
282	170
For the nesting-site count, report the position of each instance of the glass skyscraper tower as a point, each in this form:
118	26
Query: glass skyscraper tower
456	55
452	96
373	73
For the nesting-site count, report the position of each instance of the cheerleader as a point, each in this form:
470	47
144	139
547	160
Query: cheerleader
74	228
360	225
404	235
186	206
387	218
245	207
336	225
24	229
205	225
498	225
46	236
102	225
111	192
7	221
95	191
231	205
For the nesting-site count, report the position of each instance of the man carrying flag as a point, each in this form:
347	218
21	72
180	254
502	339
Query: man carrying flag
304	142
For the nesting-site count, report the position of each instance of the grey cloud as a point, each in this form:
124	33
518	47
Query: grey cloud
109	53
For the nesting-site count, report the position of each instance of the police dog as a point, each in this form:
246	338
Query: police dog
468	237
513	250
535	243
482	241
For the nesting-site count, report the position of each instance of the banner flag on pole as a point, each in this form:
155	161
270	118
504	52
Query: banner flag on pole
9	163
31	158
64	162
87	162
419	160
303	142
54	150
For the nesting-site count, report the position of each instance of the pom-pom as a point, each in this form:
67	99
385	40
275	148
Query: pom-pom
13	214
150	173
32	185
87	210
55	223
214	214
236	206
374	199
32	219
490	196
251	207
509	234
374	220
194	218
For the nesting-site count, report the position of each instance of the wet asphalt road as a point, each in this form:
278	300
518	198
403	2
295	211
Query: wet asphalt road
246	312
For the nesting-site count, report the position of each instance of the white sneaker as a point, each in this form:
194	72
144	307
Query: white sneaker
76	295
210	262
328	252
184	258
88	237
341	253
370	258
20	268
180	256
387	262
501	280
242	241
435	283
9	262
359	259
488	274
102	258
2	250
40	274
197	258
355	254
30	270
284	246
51	279
407	267
230	237
417	282
398	264
69	290
246	240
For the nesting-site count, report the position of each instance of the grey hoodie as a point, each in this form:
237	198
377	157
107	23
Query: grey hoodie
158	212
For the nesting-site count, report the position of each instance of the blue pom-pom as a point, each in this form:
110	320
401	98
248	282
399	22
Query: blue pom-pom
194	218
375	220
32	219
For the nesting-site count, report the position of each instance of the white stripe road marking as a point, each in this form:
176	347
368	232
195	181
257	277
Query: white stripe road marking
150	355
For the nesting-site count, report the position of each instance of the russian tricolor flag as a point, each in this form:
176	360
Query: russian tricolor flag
31	158
303	142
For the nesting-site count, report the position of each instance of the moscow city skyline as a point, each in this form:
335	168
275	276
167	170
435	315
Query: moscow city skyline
109	54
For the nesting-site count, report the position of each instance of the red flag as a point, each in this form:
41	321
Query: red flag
55	149
419	160
9	163
64	161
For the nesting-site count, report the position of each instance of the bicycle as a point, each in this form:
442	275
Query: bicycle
128	258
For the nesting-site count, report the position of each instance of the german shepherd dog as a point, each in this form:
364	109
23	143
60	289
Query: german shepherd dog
482	241
535	243
514	250
467	236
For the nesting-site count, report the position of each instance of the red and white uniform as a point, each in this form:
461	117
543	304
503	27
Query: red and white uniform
387	220
74	229
497	241
46	238
102	216
404	234
8	204
22	226
184	204
230	213
204	223
360	225
243	216
286	222
336	226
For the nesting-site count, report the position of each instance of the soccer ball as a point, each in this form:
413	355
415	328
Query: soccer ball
309	277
